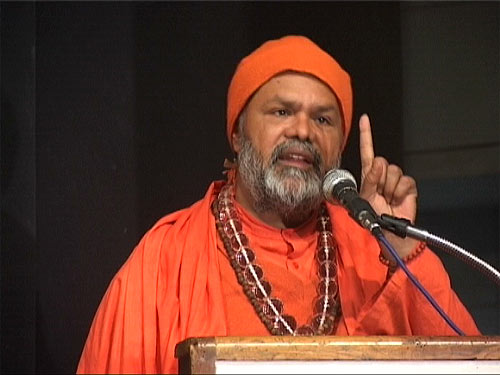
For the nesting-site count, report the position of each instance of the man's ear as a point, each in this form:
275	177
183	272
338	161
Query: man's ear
236	140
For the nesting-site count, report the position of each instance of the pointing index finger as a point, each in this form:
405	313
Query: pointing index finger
366	151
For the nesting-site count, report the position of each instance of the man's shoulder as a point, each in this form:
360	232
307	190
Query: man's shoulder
171	233
171	218
185	218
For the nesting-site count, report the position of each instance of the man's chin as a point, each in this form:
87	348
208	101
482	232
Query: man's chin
295	187
294	182
292	185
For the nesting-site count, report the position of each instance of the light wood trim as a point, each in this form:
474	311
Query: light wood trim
348	348
344	348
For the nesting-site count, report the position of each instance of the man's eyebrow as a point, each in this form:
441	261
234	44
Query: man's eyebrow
326	108
284	101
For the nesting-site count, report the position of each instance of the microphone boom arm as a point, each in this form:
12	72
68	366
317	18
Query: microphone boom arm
403	228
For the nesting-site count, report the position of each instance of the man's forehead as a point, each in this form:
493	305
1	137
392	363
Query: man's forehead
282	89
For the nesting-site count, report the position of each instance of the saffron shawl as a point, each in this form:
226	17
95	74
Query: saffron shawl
170	289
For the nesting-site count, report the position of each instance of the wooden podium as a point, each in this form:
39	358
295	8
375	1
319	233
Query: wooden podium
334	354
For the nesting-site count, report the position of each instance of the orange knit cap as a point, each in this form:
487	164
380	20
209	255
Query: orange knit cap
290	53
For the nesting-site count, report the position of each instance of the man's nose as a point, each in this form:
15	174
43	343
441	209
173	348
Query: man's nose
301	127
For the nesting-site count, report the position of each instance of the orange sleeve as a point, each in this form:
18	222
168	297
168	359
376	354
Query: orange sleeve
401	309
373	305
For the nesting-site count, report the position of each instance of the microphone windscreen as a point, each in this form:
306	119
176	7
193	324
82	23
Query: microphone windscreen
333	178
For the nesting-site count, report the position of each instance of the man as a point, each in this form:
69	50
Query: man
262	253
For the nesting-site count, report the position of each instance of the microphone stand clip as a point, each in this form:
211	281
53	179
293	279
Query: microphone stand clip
396	225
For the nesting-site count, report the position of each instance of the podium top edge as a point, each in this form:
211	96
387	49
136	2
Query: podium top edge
220	345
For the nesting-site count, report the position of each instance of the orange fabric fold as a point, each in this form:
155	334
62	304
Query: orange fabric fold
164	292
175	285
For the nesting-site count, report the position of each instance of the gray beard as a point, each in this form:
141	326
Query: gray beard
291	192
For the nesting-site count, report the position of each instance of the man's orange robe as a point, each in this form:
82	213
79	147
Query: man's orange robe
177	284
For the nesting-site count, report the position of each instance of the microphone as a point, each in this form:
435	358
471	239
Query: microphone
339	186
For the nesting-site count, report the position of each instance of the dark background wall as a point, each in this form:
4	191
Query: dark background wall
112	115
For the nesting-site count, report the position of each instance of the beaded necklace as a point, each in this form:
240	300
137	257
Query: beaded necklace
250	276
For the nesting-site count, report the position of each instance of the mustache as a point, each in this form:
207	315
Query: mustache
282	148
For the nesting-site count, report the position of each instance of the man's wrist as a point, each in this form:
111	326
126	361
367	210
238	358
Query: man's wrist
392	265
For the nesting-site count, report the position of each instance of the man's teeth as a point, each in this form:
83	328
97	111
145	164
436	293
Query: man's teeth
295	157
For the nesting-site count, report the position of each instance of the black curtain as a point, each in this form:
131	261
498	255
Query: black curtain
113	115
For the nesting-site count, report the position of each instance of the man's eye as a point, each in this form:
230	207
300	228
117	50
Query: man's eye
281	112
323	120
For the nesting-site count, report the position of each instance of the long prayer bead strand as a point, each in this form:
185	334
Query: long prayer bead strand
258	289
